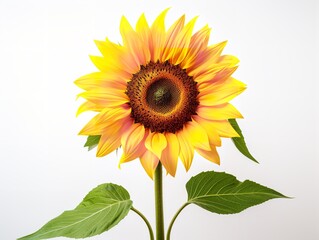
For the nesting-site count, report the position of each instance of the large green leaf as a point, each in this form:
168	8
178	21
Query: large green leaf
240	141
103	208
222	193
92	142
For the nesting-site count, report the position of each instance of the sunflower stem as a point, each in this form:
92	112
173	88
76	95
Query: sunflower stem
168	235
158	187
150	230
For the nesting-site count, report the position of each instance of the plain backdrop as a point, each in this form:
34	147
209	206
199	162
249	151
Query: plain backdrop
44	47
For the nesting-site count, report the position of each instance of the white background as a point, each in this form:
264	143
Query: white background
44	47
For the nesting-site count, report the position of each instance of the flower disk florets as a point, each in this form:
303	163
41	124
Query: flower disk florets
162	97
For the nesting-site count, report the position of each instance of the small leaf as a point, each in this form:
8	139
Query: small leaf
240	141
103	208
222	193
92	142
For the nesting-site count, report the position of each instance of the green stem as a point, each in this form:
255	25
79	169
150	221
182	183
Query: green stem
158	187
168	235
146	221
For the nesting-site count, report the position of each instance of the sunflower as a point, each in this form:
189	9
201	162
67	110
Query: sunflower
161	95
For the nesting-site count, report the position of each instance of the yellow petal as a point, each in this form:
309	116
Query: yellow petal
224	129
111	138
117	58
220	112
224	74
198	136
156	142
158	36
89	106
104	119
171	36
144	33
230	60
98	80
206	58
109	48
181	43
211	155
142	28
149	162
218	73
197	45
131	141
170	154
186	153
100	63
212	134
106	97
217	94
212	67
132	42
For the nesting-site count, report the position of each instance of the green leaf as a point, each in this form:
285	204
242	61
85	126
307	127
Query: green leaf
240	141
222	193
92	142
103	208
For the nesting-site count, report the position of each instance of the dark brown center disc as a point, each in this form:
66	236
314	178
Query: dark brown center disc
162	97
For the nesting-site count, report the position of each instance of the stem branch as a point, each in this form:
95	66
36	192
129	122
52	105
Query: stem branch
146	221
168	236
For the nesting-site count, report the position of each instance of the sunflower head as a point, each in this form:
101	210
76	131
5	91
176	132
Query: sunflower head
162	94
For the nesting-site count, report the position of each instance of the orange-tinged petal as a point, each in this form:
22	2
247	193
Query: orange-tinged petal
104	119
143	31
206	58
211	68
224	74
220	112
211	155
197	44
223	67
186	153
149	162
108	144
132	42
170	154
117	58
171	36
181	43
111	137
219	73
212	134
131	143
158	36
217	94
156	142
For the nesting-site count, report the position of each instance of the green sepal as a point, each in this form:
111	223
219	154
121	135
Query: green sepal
92	142
240	141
